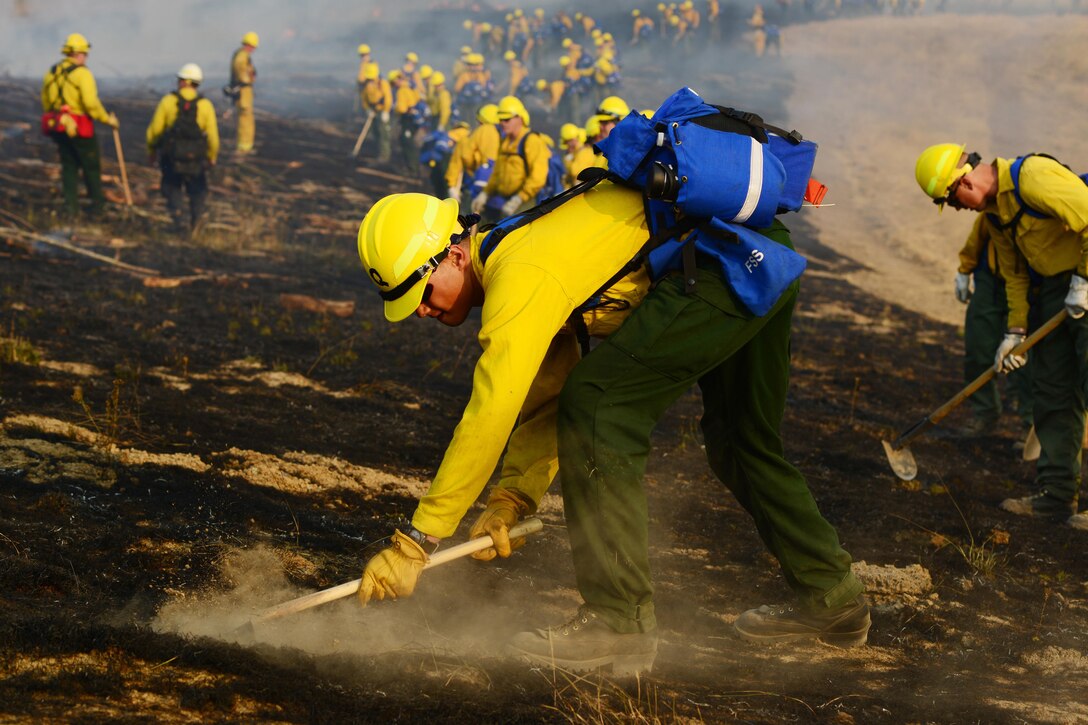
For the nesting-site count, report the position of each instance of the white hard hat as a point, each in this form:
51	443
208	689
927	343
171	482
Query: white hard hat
191	72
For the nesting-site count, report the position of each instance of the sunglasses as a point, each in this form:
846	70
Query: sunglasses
973	160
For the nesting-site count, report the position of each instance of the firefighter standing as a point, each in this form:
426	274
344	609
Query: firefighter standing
70	105
521	169
183	137
377	99
242	77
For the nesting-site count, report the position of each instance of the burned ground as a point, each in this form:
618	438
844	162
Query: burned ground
180	443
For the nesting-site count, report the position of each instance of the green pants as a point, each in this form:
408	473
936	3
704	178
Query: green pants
1060	389
983	328
608	408
80	154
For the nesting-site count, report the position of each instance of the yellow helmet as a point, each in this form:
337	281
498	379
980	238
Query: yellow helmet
541	84
396	74
614	108
648	112
509	55
488	113
635	13
593	127
518	13
251	39
467	25
564	60
936	169
568	132
661	7
411	57
438	78
511	106
425	72
485	27
475	59
674	20
595	33
402	239
75	43
371	71
539	12
466	49
364	49
567	42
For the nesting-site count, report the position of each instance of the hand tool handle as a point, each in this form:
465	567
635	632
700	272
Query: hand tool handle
942	412
362	135
528	526
121	163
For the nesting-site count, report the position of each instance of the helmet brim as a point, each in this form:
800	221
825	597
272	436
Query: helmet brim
405	306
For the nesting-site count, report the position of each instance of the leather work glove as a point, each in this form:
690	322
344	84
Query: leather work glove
113	121
511	206
454	193
393	571
1004	362
1076	300
479	202
963	287
504	509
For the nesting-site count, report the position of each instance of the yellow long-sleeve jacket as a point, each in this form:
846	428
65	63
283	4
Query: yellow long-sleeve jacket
518	71
1052	245
485	146
404	97
440	105
242	70
483	77
980	236
166	114
66	84
377	95
532	282
581	160
519	174
461	156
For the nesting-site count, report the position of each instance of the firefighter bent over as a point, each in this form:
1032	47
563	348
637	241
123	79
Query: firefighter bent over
184	138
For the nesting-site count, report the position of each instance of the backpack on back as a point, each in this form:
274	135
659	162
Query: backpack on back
184	146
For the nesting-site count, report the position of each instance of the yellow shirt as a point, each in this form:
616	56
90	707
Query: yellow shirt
980	235
242	72
166	114
485	146
532	282
377	95
75	88
404	97
1052	245
461	156
518	174
581	160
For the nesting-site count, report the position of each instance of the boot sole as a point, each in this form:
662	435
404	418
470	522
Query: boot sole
622	665
835	639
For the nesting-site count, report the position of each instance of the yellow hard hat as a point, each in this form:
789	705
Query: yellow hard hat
488	113
568	132
567	42
485	27
541	84
511	106
936	168
539	12
686	5
509	17
635	13
595	33
411	57
438	78
674	20
607	37
614	108
191	72
371	71
425	72
475	59
402	239
518	13
466	49
467	25
661	7
578	16
395	74
648	112
593	126
364	49
75	43
509	55
564	60
251	39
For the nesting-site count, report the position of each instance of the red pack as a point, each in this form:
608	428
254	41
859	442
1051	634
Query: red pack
68	123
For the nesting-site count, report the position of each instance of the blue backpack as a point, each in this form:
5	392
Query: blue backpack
436	149
1014	170
711	176
553	185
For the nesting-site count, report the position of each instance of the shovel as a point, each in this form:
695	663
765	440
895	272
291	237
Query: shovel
362	135
899	455
121	163
528	526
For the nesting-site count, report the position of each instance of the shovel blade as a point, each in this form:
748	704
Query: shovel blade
902	461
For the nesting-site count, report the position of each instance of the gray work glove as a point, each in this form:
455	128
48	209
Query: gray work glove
511	206
454	193
1076	300
479	202
1004	361
963	287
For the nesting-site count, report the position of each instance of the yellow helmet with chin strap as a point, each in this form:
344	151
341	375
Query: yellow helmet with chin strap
615	107
510	106
75	43
487	113
402	240
251	39
938	168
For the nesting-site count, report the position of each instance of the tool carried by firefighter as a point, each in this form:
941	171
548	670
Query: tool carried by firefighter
121	163
362	134
443	556
899	456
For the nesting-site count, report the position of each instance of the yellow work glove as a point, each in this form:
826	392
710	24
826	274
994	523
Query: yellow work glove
113	121
393	571
504	509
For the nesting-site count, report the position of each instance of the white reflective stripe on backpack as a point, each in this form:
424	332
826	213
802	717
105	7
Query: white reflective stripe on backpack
755	183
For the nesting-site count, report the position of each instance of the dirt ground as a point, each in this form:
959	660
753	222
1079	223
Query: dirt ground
182	449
